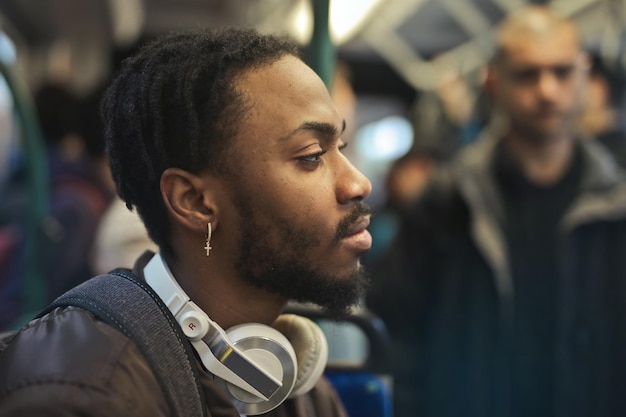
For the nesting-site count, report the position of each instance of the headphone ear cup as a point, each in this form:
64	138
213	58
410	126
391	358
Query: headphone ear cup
311	350
271	351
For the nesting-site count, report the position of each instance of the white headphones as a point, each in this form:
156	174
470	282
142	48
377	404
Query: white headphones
258	366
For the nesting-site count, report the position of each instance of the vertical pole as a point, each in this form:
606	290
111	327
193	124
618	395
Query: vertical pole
321	51
34	288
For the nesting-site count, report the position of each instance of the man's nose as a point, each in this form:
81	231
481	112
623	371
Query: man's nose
351	184
548	85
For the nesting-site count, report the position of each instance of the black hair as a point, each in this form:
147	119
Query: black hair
175	104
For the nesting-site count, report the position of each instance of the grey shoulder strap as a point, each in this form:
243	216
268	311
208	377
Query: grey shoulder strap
130	305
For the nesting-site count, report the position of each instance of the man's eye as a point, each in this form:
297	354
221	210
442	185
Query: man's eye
562	72
525	76
342	146
314	158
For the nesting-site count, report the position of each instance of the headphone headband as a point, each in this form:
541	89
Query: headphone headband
217	352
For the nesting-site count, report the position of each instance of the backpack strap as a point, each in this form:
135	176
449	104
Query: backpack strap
121	300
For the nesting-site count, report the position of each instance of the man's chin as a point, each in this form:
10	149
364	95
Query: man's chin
348	270
543	133
345	293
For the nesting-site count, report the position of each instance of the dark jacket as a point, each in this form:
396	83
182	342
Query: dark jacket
446	294
67	363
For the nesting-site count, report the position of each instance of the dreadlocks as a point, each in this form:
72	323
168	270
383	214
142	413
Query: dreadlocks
175	104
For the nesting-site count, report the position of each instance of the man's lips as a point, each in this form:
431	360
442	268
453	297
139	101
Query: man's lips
357	236
358	226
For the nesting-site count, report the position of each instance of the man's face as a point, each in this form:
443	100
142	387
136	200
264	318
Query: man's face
299	218
539	83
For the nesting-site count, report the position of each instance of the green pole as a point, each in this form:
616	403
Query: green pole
321	51
39	204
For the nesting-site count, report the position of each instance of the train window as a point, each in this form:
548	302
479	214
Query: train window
377	145
386	139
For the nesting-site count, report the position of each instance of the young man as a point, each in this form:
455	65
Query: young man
229	147
512	295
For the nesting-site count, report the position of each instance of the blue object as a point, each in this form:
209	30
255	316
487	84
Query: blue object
363	394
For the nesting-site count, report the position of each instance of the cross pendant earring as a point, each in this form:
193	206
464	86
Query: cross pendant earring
208	247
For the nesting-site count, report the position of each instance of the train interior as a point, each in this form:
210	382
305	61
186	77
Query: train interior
391	66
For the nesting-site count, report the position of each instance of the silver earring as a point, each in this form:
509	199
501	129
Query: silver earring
208	247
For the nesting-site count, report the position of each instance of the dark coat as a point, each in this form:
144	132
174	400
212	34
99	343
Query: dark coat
68	363
446	294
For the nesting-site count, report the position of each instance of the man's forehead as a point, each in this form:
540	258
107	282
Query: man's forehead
287	96
281	65
534	21
285	77
560	49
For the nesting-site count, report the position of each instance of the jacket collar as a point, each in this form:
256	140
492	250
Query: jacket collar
603	186
603	196
603	189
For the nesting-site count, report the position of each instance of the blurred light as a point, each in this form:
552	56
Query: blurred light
346	18
128	18
6	100
301	22
7	49
385	140
7	137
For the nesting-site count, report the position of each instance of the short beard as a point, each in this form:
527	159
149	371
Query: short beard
275	258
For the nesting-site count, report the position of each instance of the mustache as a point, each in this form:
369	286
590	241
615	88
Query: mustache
359	211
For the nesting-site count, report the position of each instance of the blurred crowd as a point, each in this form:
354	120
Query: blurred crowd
87	230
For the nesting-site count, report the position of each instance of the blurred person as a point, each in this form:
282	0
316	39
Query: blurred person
79	195
229	147
405	179
120	238
451	115
600	118
511	263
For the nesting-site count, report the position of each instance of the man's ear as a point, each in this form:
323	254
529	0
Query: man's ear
190	199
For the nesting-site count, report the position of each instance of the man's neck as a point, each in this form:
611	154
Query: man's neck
227	299
543	162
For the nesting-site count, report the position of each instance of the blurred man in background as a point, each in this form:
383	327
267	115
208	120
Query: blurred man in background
511	265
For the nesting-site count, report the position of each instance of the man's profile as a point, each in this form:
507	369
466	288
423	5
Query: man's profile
229	147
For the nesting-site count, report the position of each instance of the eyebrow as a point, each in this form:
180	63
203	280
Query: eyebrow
326	129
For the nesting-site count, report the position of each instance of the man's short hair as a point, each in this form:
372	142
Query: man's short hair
529	21
175	104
